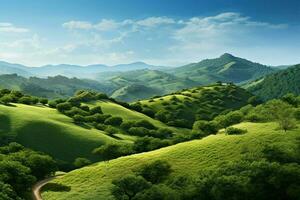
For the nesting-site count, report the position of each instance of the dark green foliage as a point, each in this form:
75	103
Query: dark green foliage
145	124
62	107
147	143
96	110
156	171
148	111
111	151
297	113
206	127
20	169
7	192
114	121
278	84
229	119
235	131
128	186
157	192
78	119
81	162
139	131
43	101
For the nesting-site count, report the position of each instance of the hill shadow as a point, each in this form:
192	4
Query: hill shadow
56	187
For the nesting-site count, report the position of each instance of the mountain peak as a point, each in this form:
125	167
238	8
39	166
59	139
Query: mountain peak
227	55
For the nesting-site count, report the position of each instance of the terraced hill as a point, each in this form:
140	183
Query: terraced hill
186	159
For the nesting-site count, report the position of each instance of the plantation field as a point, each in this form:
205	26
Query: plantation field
45	129
94	182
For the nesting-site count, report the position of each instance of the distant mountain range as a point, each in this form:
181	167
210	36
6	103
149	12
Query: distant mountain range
131	82
90	71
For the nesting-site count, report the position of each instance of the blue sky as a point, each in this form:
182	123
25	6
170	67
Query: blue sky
161	32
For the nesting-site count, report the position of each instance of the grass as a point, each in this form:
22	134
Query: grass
126	114
45	129
94	182
199	102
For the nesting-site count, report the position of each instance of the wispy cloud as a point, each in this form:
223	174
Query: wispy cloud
10	28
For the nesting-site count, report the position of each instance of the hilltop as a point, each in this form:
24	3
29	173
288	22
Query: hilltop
277	85
226	68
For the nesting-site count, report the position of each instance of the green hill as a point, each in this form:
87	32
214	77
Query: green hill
135	92
183	108
45	129
227	68
186	159
278	84
142	84
51	87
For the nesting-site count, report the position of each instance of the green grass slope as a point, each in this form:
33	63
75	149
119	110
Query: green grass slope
199	103
45	129
126	114
94	182
278	84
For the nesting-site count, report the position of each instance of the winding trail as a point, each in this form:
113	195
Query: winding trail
37	187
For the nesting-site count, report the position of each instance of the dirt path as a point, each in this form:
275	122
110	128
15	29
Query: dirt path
37	187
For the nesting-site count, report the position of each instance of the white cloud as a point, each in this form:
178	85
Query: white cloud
155	21
10	28
77	25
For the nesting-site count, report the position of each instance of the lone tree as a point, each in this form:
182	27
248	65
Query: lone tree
283	113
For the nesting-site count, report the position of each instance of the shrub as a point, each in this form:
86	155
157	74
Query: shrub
43	101
85	108
148	111
111	130
61	107
128	186
145	124
297	113
78	119
111	151
81	162
6	99
96	110
101	127
156	171
26	100
114	121
207	127
235	131
139	131
127	124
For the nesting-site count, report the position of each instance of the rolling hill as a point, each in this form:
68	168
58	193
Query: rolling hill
226	68
186	159
278	84
184	107
142	84
45	129
51	87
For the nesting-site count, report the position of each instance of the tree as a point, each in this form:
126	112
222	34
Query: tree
96	110
111	151
128	186
78	119
6	99
81	162
156	171
145	124
281	112
157	192
26	100
207	127
7	192
43	101
41	165
114	121
62	107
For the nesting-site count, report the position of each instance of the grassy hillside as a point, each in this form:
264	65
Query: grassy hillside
94	182
126	114
196	103
278	84
142	84
225	68
51	87
45	129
